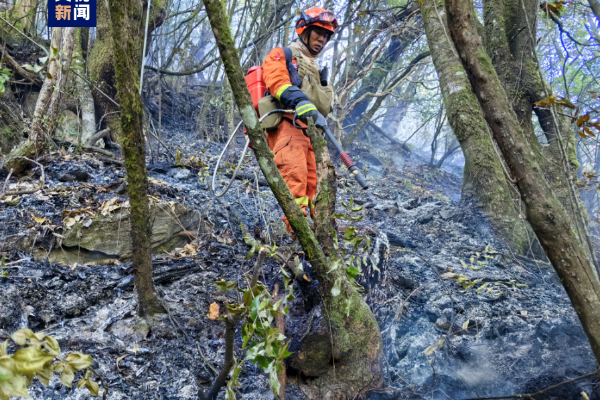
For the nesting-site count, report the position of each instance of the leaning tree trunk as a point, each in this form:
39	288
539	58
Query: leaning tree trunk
509	27
127	22
357	346
45	114
546	215
484	179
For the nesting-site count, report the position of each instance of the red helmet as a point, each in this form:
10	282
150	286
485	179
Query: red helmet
316	16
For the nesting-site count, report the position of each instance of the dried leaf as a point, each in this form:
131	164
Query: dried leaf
40	220
30	360
434	347
447	275
78	361
213	313
69	222
548	100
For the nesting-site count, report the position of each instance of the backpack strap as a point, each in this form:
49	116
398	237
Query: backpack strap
294	76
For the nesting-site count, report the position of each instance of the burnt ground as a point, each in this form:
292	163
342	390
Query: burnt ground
521	336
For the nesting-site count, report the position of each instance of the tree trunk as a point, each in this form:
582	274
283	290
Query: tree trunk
357	345
102	71
546	215
483	175
508	24
46	107
127	22
23	16
82	88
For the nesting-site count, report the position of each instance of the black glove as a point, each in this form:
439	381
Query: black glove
321	122
305	109
324	75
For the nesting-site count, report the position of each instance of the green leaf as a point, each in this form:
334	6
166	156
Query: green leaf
465	325
225	285
254	308
434	347
335	265
353	272
335	239
463	263
350	232
337	287
262	362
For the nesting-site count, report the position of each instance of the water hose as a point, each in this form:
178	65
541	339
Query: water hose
354	170
239	164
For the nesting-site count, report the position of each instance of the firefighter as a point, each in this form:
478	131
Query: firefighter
308	96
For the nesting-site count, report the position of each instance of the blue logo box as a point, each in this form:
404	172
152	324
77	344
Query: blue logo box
71	13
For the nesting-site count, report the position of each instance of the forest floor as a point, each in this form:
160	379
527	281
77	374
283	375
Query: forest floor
507	327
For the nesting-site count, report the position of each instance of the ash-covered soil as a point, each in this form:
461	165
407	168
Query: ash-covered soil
507	328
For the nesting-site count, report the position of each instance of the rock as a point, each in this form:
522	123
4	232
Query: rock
110	235
446	214
388	207
68	127
425	219
449	214
181	174
72	305
75	175
410	204
398	241
161	168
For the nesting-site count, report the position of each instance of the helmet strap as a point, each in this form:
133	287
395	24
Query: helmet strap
308	32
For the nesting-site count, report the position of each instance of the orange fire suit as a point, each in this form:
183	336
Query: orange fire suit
294	155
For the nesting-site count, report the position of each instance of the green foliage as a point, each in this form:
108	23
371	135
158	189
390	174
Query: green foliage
265	346
199	161
36	357
476	263
353	254
4	77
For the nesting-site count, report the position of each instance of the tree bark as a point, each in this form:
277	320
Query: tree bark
101	69
46	107
83	89
508	24
484	179
127	22
546	215
357	344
